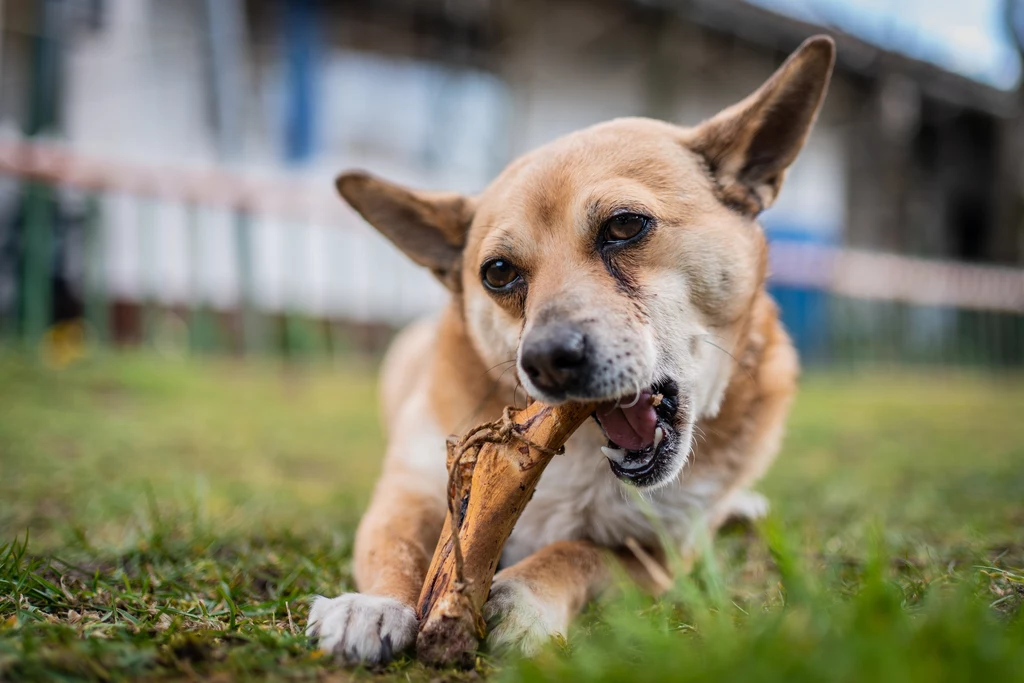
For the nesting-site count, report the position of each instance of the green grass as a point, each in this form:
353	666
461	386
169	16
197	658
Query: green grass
179	514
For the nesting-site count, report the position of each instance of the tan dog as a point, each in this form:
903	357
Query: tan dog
622	263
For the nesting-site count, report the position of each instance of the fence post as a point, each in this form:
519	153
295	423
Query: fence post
97	311
294	334
199	327
43	105
147	265
36	287
252	329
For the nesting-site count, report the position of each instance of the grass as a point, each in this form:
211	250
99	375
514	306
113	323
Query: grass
166	519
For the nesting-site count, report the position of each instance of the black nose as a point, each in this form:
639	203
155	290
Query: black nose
554	357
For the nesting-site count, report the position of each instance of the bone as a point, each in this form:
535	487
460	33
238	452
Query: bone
501	479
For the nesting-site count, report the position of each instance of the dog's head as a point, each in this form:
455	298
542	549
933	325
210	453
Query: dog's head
619	263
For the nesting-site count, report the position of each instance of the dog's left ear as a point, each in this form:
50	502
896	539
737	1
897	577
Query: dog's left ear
749	146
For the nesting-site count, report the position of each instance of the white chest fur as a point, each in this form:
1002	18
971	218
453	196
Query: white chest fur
578	497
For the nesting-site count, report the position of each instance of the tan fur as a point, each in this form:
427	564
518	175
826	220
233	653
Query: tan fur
687	303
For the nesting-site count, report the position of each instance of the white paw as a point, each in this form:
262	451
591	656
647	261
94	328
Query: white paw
362	629
746	506
518	620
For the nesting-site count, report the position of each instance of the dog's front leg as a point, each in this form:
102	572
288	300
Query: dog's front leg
393	547
535	599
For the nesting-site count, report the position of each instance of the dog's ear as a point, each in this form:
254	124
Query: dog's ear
430	227
749	146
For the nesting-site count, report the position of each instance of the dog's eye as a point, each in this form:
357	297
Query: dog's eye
499	275
623	227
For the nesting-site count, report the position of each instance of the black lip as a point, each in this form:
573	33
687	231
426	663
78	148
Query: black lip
648	474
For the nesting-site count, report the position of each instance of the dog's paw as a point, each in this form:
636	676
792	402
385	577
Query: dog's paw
518	620
746	506
362	629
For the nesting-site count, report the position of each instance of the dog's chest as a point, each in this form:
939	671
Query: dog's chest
578	497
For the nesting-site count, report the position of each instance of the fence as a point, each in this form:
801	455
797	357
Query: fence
73	222
848	306
203	259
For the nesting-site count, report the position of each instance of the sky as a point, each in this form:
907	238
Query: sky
964	36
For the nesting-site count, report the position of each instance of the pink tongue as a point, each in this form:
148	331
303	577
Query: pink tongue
630	428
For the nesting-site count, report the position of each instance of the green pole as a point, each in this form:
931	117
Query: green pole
97	309
252	332
300	334
200	328
147	264
35	285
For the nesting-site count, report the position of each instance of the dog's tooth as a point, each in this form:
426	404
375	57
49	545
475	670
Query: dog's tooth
616	454
659	434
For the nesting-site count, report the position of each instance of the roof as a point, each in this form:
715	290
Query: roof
763	27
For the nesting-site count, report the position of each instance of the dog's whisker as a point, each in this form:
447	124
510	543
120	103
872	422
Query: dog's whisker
497	365
699	433
464	423
735	359
689	450
502	375
515	394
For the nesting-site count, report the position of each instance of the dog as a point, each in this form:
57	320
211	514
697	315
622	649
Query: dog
624	264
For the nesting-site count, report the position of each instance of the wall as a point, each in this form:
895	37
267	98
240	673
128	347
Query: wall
139	89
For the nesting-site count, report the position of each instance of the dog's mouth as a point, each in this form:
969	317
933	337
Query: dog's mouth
641	433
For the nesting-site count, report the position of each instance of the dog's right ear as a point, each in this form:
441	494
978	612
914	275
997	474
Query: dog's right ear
430	227
749	146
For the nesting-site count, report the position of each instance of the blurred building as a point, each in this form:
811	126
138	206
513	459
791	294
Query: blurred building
907	157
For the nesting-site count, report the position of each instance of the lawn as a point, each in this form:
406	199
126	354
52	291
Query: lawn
169	519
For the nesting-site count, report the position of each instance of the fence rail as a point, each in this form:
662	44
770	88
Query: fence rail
840	303
214	186
887	277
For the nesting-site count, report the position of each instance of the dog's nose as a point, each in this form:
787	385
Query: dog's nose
554	357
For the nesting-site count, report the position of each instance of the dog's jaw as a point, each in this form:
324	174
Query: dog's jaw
670	463
661	461
698	373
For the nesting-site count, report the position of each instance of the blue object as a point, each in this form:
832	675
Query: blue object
300	86
804	311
